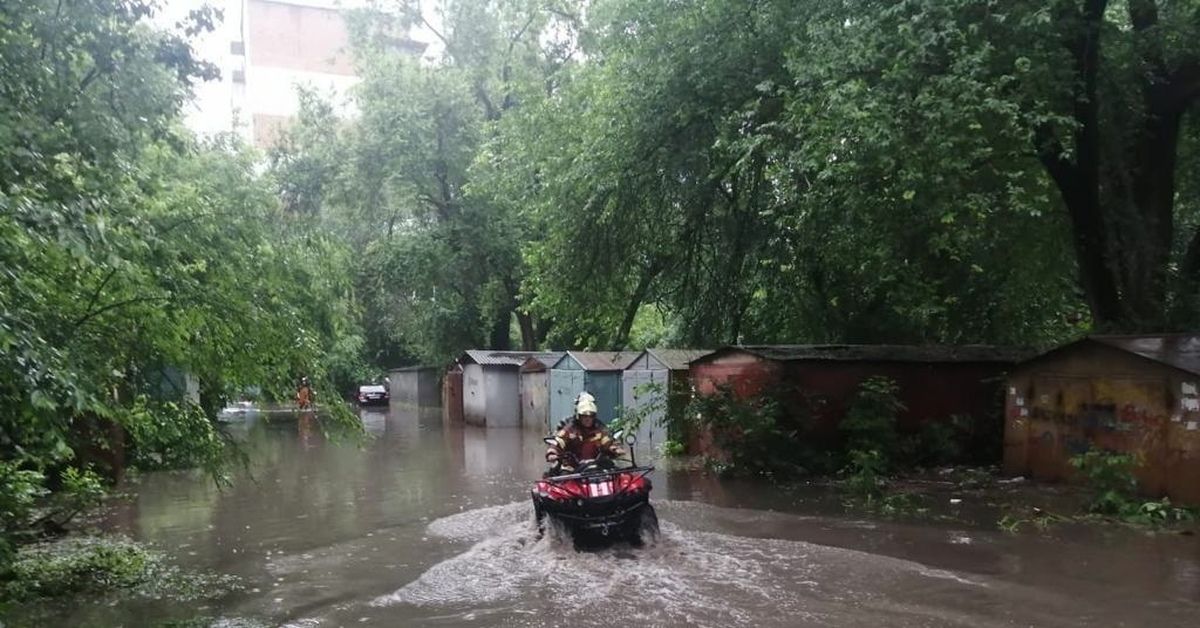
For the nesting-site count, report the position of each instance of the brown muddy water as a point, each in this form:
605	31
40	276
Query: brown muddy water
431	526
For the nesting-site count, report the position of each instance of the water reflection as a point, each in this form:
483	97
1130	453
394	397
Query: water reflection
425	523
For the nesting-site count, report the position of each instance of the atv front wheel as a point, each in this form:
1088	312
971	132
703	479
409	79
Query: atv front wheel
646	531
540	517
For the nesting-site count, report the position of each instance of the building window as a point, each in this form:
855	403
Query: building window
238	48
239	76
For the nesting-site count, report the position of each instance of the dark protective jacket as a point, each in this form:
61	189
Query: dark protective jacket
575	442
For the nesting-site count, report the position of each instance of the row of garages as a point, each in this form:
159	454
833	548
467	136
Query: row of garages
537	390
1132	394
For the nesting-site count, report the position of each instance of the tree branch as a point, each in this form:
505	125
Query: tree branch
436	33
112	306
506	68
99	289
493	114
53	39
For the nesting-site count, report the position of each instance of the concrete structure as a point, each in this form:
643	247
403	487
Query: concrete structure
415	385
599	373
817	382
266	50
1132	394
656	384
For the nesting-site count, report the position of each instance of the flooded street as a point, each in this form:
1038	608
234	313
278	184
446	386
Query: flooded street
425	525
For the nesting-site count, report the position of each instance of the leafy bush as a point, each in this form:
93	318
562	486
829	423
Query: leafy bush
865	474
168	435
937	443
19	490
870	421
1114	488
631	419
1110	477
672	448
83	565
757	435
101	566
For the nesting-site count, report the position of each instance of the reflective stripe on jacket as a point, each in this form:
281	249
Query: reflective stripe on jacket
583	443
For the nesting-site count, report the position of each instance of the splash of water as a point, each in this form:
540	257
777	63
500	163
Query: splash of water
693	577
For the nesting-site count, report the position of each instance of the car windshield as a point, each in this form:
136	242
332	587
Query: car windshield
376	388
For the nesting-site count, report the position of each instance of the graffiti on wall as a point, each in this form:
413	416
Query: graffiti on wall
1073	444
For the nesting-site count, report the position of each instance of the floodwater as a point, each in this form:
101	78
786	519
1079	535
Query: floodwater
427	525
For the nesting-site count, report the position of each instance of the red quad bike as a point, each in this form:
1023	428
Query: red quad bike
599	502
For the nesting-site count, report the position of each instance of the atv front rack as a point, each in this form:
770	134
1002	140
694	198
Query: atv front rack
599	473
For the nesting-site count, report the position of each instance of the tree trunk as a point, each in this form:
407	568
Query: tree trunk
635	302
544	325
529	339
1121	203
498	337
1079	181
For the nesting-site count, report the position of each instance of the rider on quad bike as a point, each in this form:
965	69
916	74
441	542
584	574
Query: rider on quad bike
583	438
586	492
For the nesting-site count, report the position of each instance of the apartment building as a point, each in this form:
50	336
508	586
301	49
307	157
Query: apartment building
266	49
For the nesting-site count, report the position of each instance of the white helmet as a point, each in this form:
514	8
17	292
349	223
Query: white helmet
585	403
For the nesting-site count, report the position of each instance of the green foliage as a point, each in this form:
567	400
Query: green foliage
84	566
756	436
936	443
166	435
866	475
631	419
708	172
139	264
1163	512
93	566
1040	519
668	171
1110	477
777	432
441	265
19	491
870	421
672	448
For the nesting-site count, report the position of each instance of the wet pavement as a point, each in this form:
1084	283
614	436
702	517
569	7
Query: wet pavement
426	525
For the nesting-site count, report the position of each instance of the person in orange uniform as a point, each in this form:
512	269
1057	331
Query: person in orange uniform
583	438
304	395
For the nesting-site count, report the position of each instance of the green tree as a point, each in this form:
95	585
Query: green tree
442	266
1097	92
131	252
730	164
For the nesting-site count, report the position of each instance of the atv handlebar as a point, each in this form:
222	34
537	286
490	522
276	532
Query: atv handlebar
579	475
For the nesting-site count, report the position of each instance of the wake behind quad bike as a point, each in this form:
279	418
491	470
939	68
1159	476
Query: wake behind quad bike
599	502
